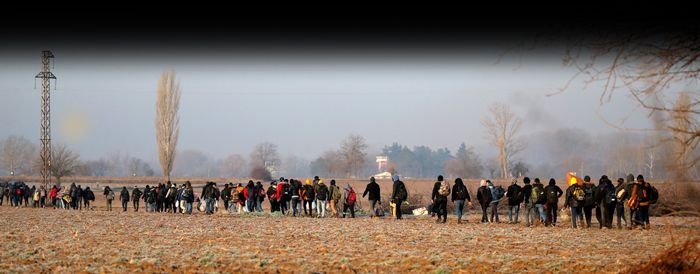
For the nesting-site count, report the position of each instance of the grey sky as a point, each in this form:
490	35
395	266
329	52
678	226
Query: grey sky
304	102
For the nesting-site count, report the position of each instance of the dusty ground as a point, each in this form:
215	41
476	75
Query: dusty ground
47	240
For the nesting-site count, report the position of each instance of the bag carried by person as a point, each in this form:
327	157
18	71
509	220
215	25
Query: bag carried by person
537	195
552	195
350	200
653	195
444	189
460	192
579	194
110	195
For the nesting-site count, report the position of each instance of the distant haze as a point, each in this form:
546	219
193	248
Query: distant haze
304	96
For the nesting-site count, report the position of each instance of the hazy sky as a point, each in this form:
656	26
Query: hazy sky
303	97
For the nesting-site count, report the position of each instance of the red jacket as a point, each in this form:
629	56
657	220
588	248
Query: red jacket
53	192
279	189
245	193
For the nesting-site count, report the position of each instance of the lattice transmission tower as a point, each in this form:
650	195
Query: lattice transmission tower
45	124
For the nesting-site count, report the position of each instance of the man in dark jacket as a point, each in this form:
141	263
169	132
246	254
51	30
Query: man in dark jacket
399	194
459	195
590	201
135	197
602	207
79	197
208	196
440	199
88	196
575	197
539	200
124	197
553	193
483	195
374	195
514	194
527	203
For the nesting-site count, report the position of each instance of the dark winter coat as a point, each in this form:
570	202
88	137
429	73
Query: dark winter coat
373	190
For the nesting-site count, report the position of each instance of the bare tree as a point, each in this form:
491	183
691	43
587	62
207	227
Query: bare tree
466	163
17	154
650	65
167	120
264	154
234	166
683	145
502	129
64	162
193	163
354	152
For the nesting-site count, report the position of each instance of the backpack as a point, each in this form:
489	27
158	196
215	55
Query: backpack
611	196
589	200
285	190
517	196
552	195
336	193
498	193
401	193
350	200
579	194
444	188
110	195
653	195
186	194
91	196
322	192
537	195
460	192
486	196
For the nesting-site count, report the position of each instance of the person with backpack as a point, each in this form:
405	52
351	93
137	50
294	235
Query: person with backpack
606	201
35	196
250	197
208	197
89	197
235	202
124	197
590	200
539	198
373	190
171	198
260	192
459	195
553	192
515	198
272	197
645	196
497	193
109	195
334	197
52	196
308	196
136	198
619	205
483	195
321	199
349	199
226	196
527	204
149	199
188	197
295	188
575	198
623	195
283	195
441	190
399	194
